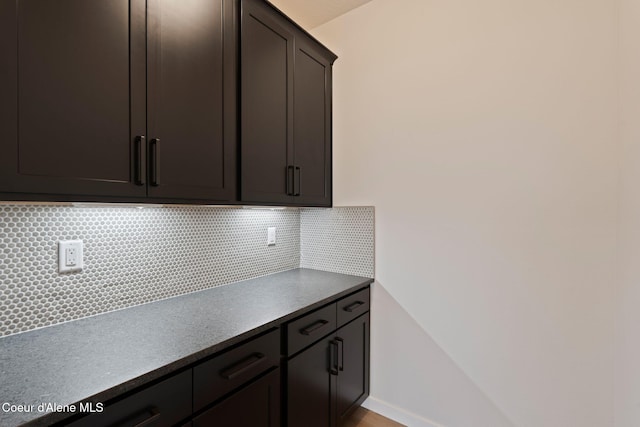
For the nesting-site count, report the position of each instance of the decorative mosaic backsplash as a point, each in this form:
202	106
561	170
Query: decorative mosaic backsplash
340	240
136	255
131	256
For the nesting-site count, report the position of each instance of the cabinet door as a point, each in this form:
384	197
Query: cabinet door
71	104
266	99
353	366
191	99
312	124
256	405
311	386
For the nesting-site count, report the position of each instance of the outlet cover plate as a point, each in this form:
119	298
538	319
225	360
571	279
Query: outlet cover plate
70	256
271	236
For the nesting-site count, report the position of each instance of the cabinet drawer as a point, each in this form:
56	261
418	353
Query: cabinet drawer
353	306
255	405
309	328
163	404
229	370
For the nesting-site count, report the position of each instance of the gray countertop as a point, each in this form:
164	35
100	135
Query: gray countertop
100	357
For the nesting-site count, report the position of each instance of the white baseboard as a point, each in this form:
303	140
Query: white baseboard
398	414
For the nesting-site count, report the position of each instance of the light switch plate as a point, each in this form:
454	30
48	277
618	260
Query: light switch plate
271	236
70	256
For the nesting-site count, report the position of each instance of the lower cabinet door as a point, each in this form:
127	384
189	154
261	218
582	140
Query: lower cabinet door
310	386
255	405
353	366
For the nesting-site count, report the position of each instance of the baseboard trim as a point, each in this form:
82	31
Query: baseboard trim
397	414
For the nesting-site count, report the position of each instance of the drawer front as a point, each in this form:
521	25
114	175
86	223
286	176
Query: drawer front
310	328
255	405
229	370
163	404
353	306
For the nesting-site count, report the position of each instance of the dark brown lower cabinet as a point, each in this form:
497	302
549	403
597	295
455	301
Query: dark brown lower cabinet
238	387
323	371
255	405
328	380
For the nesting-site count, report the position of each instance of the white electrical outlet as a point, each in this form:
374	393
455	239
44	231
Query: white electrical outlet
70	256
271	236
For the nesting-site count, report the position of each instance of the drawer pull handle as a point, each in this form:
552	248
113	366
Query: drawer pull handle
333	355
242	366
154	415
351	307
313	327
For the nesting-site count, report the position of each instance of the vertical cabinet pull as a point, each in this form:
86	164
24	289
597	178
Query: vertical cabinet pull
296	192
293	180
290	180
154	162
139	151
333	356
340	342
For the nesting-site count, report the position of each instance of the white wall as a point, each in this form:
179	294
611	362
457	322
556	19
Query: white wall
485	135
407	363
628	302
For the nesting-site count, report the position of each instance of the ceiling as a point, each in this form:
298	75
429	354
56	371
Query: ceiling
312	13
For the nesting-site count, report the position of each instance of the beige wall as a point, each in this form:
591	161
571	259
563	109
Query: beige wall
485	133
414	381
628	302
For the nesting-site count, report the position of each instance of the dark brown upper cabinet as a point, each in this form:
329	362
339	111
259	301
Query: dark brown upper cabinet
118	100
285	117
191	98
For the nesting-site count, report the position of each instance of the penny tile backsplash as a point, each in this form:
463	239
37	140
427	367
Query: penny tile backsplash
135	255
340	240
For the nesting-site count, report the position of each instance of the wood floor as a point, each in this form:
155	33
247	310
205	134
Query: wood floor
365	418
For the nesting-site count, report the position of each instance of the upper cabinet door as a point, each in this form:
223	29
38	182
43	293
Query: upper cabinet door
70	110
191	99
266	98
285	111
312	124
